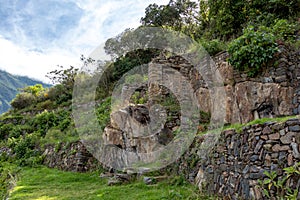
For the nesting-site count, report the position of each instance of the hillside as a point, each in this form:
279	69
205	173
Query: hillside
152	124
9	87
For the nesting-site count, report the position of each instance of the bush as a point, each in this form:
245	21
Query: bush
5	129
103	112
23	100
59	94
47	104
284	30
44	121
36	90
252	51
213	46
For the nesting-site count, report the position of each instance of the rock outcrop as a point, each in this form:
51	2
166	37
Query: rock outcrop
274	92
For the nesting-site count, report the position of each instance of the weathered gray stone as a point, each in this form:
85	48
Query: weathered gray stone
295	128
277	148
292	122
268	160
274	136
290	160
246	169
113	181
282	132
267	130
264	137
258	146
254	158
296	153
287	139
274	156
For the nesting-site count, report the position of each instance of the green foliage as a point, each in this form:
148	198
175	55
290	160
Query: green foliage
8	177
45	105
23	100
63	76
5	129
103	112
25	149
9	87
65	79
284	30
213	46
204	117
139	97
35	90
226	18
239	127
57	137
178	15
44	121
218	19
30	95
59	94
281	184
252	51
47	119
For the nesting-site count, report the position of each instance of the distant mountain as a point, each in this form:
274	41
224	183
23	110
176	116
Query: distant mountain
9	85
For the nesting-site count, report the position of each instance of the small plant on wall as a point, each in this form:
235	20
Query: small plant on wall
276	187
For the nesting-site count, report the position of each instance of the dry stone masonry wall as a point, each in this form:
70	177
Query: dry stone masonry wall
274	92
69	157
239	160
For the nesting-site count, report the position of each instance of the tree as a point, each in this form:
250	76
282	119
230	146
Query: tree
179	15
64	80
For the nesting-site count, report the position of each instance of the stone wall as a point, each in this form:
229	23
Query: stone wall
70	157
273	92
238	160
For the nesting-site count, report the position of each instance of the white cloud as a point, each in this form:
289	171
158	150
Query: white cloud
106	19
100	20
20	61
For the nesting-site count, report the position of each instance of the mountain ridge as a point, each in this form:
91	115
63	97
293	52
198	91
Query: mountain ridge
10	85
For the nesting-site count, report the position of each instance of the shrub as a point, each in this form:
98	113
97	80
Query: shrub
47	104
103	112
213	46
284	30
23	100
36	90
59	93
5	129
44	121
252	51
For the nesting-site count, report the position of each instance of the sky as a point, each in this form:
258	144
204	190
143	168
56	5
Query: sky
38	35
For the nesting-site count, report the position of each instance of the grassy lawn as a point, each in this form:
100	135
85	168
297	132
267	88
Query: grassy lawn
44	183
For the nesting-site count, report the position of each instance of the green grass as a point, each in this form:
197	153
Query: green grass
238	127
51	184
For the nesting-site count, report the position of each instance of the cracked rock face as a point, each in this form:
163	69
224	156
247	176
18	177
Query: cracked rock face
275	92
130	131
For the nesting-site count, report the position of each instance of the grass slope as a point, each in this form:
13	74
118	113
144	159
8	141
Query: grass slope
51	184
